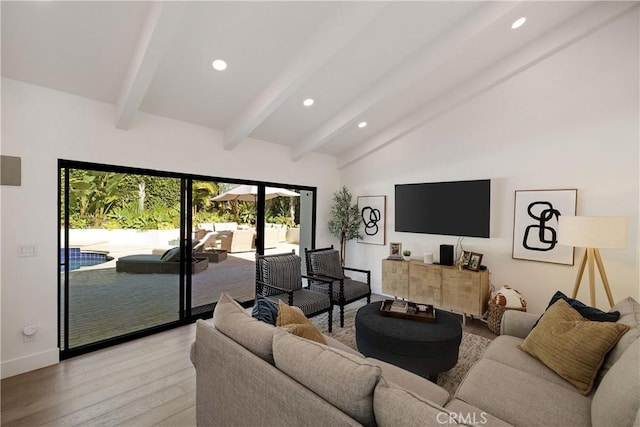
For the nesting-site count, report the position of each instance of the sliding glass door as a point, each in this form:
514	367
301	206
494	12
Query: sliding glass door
120	255
234	221
142	251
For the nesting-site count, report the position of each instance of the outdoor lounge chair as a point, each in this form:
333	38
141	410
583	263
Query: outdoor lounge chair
237	241
168	263
270	237
209	240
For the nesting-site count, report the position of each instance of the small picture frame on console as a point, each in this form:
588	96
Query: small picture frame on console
395	250
475	261
464	259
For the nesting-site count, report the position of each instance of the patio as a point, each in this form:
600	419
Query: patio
105	303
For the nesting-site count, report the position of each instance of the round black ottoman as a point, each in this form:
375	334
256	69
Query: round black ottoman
420	347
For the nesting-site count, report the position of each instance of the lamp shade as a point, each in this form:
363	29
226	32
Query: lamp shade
602	232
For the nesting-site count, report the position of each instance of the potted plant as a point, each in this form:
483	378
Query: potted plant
406	253
345	219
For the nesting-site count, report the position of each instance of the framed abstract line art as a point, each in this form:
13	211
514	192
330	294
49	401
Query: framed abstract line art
373	219
535	225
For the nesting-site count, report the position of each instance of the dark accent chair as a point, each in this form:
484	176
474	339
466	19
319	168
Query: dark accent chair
323	264
279	278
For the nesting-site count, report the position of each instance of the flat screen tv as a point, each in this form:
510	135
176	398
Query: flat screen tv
457	208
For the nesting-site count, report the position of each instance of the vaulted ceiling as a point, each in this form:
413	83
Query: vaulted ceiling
394	65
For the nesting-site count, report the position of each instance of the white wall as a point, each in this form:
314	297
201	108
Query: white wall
569	122
41	126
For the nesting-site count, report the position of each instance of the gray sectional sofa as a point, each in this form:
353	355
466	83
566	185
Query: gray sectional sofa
251	373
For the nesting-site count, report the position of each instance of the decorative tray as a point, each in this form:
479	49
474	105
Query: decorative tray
412	313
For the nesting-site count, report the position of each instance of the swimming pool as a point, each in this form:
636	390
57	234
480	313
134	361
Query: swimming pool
78	259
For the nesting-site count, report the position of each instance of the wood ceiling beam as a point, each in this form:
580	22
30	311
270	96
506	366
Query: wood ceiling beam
557	40
336	32
428	57
154	40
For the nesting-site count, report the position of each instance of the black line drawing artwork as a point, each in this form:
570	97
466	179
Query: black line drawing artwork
543	229
372	210
536	214
370	218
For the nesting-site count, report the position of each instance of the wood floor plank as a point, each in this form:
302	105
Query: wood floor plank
165	413
186	418
131	403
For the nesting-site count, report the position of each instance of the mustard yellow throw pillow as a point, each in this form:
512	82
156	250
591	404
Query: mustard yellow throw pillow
572	346
293	320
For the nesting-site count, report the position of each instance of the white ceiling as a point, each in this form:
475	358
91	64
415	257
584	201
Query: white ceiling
393	64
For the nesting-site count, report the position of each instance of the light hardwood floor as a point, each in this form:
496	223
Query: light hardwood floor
146	382
149	381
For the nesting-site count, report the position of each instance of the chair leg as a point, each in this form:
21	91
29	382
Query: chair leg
369	299
330	328
342	316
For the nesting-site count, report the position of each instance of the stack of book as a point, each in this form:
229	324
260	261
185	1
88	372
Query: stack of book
399	306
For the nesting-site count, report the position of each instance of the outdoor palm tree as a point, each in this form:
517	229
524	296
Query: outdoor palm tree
345	219
203	191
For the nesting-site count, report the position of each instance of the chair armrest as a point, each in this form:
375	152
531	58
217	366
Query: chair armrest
319	278
517	323
356	269
277	288
322	277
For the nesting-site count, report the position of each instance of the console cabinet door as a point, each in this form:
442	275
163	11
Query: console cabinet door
425	284
395	278
465	291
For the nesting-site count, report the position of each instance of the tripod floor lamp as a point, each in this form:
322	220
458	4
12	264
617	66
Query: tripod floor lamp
593	233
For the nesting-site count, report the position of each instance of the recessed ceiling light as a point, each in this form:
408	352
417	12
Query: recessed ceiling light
518	23
362	124
308	102
219	65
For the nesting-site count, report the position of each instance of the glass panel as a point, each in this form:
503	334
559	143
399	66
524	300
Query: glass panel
305	228
121	279
224	233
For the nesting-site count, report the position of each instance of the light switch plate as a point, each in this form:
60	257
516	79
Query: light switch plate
27	249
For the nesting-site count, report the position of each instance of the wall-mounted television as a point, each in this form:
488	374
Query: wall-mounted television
457	208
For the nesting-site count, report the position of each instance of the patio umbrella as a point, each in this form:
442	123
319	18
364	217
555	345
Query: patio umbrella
249	193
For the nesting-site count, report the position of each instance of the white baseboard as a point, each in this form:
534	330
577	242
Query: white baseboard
28	363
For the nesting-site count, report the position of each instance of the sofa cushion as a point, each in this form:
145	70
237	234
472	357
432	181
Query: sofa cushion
504	349
344	380
332	342
394	406
520	398
230	318
264	310
629	310
572	346
616	402
409	381
293	320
